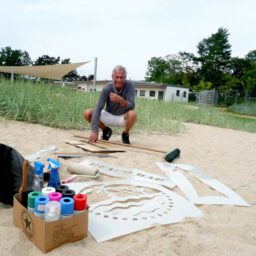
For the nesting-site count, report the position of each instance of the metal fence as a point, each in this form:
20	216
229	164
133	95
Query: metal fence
222	98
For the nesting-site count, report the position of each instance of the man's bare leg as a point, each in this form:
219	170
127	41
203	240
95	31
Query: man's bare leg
130	119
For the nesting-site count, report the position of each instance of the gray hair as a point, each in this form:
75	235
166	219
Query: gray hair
119	67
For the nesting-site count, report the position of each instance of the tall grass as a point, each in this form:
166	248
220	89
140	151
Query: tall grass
52	105
44	103
248	108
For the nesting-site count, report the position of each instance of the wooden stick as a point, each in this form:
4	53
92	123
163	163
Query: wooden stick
93	149
125	145
23	186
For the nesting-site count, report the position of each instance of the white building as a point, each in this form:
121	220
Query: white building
158	91
147	90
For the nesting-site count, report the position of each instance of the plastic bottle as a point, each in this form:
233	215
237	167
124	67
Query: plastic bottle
38	183
52	211
54	166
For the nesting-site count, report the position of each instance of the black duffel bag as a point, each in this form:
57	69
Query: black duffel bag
11	163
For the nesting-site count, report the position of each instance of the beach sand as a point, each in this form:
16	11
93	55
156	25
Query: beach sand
224	154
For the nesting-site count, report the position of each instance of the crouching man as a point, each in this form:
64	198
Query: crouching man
118	98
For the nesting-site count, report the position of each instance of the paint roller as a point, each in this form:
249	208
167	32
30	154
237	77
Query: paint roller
172	155
81	169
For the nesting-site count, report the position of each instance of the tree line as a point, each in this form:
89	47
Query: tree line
212	68
11	57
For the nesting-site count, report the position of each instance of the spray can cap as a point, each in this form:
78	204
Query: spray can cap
39	167
53	163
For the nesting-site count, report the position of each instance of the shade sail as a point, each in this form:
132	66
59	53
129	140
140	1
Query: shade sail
55	72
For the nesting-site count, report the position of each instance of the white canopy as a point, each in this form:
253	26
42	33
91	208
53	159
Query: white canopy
55	72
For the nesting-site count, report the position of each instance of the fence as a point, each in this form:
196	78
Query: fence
222	98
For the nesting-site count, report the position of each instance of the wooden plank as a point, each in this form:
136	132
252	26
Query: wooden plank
93	149
121	144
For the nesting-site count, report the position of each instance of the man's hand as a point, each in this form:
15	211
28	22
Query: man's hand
93	137
118	99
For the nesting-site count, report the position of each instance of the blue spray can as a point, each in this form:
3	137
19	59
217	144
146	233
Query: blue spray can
54	166
38	183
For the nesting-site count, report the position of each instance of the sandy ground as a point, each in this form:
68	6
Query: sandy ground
224	154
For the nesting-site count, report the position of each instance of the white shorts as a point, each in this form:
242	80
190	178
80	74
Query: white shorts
111	120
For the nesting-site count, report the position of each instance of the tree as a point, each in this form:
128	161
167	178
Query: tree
251	56
157	69
203	86
83	78
72	75
249	79
176	69
189	69
90	77
239	66
46	60
9	57
249	76
214	57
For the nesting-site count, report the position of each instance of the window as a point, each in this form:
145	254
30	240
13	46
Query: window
184	94
142	93
152	93
178	93
136	92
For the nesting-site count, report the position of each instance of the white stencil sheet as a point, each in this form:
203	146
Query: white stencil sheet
138	209
134	174
230	197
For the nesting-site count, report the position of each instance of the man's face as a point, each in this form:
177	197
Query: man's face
119	79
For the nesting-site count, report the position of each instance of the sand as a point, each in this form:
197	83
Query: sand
224	154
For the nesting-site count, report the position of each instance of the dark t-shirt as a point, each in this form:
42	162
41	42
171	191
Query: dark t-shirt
127	92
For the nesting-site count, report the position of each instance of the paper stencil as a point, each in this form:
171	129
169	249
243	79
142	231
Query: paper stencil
119	215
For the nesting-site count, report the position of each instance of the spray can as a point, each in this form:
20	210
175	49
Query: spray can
80	203
54	166
31	200
38	183
67	207
40	203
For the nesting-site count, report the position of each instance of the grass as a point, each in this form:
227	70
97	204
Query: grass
244	108
52	105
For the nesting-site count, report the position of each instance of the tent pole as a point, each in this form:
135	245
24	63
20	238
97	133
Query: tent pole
95	73
12	74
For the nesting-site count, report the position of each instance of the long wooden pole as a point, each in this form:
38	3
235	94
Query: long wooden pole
125	145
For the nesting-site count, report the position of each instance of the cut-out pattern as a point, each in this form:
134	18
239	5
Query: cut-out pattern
229	198
120	215
134	174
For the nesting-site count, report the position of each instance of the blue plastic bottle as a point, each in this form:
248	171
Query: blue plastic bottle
38	183
54	166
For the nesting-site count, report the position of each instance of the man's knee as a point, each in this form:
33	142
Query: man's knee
88	114
132	116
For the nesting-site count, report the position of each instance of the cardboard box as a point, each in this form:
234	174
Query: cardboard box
49	235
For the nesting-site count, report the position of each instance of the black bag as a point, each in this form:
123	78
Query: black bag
11	163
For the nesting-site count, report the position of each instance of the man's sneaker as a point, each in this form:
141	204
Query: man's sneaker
125	138
107	132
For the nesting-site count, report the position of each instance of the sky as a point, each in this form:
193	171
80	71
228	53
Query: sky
123	32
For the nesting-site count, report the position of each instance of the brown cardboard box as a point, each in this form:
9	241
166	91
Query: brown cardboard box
49	235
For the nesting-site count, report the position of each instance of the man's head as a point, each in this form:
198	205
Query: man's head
119	76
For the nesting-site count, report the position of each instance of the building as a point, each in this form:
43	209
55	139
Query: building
147	90
156	91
